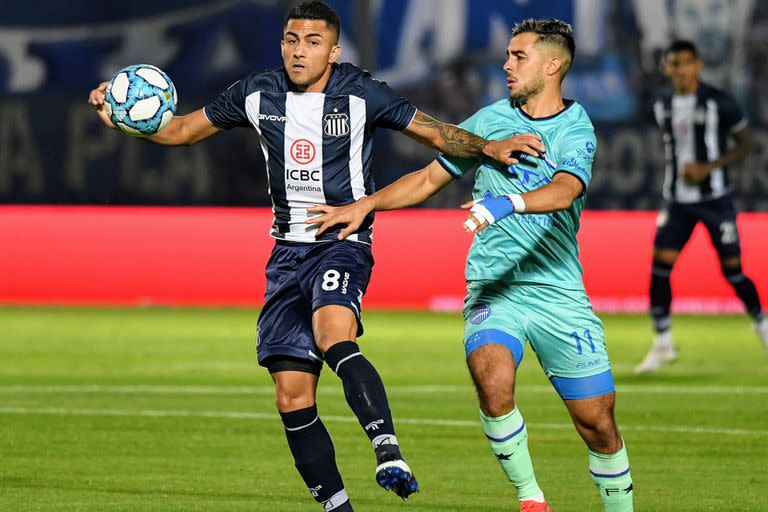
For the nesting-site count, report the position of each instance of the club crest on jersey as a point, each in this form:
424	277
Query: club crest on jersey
479	314
336	125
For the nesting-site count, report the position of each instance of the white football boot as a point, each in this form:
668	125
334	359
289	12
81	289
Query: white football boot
663	351
762	331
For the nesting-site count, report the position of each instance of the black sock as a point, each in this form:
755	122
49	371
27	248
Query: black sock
315	458
661	296
366	397
746	290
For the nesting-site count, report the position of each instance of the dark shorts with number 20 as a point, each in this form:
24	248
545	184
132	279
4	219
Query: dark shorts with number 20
676	221
301	278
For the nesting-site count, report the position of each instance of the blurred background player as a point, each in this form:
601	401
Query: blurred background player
524	280
314	119
698	122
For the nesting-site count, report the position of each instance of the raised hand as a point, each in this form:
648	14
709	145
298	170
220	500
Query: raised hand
96	100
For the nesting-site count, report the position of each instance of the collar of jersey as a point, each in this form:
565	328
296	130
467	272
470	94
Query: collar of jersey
566	102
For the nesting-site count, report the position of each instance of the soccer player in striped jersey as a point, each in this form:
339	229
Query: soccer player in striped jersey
314	120
697	122
524	280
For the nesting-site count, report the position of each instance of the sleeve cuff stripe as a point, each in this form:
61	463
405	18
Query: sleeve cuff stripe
441	160
581	179
415	111
205	113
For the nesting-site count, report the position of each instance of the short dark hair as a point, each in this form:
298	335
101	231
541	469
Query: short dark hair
681	45
552	31
315	10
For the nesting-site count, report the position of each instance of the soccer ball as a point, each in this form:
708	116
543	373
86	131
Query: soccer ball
140	100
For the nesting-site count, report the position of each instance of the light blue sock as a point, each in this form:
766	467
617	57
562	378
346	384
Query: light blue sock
613	479
509	442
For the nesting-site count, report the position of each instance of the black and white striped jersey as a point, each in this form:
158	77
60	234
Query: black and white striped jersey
696	128
317	145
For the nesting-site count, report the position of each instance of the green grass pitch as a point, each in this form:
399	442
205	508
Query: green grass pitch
167	410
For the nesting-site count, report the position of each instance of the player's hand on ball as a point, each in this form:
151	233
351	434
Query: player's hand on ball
352	215
96	100
504	151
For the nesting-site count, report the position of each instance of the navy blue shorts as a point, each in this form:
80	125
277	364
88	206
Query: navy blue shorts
676	222
300	279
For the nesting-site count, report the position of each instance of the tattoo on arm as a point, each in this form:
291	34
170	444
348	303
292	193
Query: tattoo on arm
453	141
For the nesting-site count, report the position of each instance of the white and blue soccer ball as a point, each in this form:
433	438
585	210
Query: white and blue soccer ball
140	100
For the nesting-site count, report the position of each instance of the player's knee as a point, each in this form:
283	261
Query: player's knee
496	407
293	400
730	266
496	397
601	433
666	257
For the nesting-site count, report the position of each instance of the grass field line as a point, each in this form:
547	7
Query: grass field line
424	389
60	411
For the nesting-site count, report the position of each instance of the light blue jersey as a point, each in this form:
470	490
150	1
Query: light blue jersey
529	248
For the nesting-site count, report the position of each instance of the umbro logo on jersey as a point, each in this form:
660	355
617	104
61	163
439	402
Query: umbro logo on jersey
336	125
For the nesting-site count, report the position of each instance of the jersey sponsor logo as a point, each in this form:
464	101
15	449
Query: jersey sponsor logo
302	174
303	180
530	179
479	314
336	125
272	117
303	151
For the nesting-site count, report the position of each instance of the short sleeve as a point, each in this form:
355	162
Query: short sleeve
228	110
459	167
731	116
577	152
386	108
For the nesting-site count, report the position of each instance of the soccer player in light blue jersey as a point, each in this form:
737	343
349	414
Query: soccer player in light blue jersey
524	280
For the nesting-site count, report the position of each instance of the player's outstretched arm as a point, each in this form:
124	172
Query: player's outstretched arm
409	190
457	142
182	130
552	197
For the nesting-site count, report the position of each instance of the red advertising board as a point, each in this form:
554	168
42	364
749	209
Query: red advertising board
216	256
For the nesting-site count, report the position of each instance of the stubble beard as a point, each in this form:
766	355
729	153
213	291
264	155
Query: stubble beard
534	87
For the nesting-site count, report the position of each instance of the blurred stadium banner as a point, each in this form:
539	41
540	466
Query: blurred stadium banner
133	256
444	55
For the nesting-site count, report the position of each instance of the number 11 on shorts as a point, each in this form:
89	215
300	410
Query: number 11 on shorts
588	337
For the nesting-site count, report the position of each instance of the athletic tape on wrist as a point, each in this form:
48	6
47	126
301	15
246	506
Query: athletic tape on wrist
517	202
482	213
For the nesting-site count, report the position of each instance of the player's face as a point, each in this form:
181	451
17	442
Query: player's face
524	67
309	47
683	69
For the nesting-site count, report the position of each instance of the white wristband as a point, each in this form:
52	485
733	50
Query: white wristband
517	202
